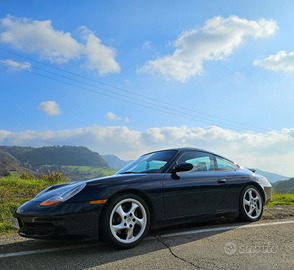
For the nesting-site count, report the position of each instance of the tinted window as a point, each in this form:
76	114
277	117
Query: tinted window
149	163
225	165
201	161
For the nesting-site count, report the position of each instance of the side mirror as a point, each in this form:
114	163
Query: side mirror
183	167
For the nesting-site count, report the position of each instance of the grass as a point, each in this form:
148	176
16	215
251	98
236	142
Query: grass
281	199
15	191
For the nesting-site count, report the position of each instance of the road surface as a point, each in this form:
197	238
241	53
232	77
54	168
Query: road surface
267	244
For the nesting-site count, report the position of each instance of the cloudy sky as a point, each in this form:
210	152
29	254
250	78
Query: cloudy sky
127	77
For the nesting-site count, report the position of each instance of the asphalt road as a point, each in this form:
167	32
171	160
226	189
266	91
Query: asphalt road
260	245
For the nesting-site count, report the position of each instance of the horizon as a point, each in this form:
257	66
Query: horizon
136	157
126	78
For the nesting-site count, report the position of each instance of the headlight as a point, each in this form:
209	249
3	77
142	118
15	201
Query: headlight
57	186
59	198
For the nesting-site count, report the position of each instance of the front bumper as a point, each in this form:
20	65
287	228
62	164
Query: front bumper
74	221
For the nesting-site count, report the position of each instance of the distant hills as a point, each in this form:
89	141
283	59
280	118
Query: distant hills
272	177
116	163
77	163
32	157
7	166
286	186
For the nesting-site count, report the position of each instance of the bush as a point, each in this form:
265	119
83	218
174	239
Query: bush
53	177
26	176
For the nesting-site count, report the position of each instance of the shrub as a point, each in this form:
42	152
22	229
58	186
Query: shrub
26	176
53	177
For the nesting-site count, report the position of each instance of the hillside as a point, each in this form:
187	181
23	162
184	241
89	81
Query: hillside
76	163
272	177
7	155
116	163
286	186
32	158
9	167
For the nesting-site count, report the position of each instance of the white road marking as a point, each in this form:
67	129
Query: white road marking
45	250
226	228
147	238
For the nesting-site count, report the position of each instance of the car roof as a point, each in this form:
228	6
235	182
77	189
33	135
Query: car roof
183	149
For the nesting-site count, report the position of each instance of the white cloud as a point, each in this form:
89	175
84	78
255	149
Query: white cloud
280	61
217	39
111	116
269	153
147	45
50	107
13	65
40	37
100	57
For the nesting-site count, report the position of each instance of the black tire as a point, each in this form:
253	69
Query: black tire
251	204
125	221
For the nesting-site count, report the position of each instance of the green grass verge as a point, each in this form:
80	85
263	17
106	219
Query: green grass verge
281	199
14	192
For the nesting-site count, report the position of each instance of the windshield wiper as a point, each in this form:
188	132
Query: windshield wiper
128	172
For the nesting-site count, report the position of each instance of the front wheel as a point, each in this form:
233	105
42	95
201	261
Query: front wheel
126	221
251	204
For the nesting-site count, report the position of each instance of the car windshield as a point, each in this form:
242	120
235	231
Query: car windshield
150	163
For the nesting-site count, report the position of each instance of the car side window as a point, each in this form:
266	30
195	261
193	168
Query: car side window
225	165
201	161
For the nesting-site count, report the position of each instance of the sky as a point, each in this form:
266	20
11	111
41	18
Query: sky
129	77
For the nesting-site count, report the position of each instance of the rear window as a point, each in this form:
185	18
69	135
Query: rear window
226	165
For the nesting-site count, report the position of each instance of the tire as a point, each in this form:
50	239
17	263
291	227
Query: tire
251	204
125	221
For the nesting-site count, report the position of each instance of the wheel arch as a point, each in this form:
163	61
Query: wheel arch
243	215
260	189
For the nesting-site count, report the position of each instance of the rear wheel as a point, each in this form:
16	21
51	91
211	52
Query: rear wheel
126	221
251	204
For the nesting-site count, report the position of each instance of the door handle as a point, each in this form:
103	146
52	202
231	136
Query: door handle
222	181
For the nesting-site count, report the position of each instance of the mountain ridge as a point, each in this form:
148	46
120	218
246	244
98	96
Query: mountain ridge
32	158
115	162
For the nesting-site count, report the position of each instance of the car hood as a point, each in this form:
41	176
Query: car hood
54	190
95	188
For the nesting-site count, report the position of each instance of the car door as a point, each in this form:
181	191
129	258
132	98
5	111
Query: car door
197	191
235	178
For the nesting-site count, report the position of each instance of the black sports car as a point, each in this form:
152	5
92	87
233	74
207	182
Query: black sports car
160	188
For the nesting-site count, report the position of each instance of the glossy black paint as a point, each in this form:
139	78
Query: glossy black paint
172	198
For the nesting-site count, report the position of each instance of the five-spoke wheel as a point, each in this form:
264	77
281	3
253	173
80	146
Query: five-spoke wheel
251	204
126	221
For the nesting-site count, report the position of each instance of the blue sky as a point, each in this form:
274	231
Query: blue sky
126	77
